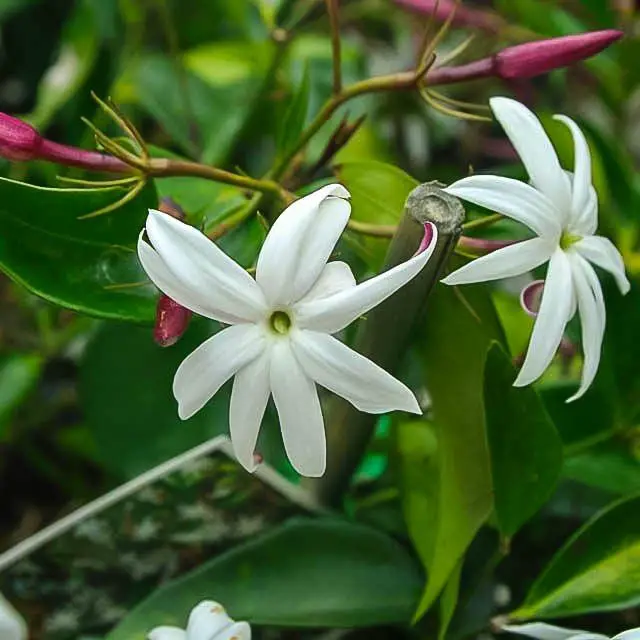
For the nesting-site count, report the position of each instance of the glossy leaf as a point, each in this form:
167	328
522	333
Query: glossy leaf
306	573
447	504
202	118
524	446
88	265
596	570
125	388
378	190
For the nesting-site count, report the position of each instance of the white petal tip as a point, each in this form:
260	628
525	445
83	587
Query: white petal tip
184	413
310	471
338	191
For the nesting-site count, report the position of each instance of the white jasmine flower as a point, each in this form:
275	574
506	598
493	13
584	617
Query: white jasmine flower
279	342
12	626
543	631
207	621
561	208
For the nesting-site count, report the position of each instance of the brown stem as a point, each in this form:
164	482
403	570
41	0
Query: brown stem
334	19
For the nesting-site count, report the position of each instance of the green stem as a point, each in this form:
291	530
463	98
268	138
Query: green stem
384	336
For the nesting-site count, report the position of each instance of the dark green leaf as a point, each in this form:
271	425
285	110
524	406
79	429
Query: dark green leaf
597	569
524	446
612	466
125	388
303	574
89	265
453	497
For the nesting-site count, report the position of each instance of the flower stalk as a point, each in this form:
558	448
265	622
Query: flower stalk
384	335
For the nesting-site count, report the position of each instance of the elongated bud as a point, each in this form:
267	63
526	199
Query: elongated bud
18	140
172	319
529	59
464	16
536	58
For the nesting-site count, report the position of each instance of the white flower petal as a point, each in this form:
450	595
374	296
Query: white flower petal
335	312
200	264
349	374
555	307
298	405
581	181
535	150
504	263
181	292
592	319
249	397
12	625
335	277
167	633
585	221
207	368
512	198
300	242
603	253
237	631
206	620
631	634
543	631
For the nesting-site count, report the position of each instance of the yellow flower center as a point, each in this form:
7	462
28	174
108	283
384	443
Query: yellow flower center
567	239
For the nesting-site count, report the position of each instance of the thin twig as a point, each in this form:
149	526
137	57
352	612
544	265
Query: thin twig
334	20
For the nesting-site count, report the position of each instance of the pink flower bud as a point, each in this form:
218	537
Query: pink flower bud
529	59
18	140
464	16
536	58
172	320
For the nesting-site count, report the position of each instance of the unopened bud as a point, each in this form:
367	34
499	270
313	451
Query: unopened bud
536	58
529	59
172	320
18	140
463	17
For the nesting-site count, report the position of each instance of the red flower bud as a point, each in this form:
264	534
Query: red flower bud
172	320
18	140
464	16
536	58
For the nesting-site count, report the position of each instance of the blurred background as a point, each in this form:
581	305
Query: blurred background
85	403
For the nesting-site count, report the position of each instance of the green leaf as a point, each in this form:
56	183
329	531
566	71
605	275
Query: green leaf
596	570
611	466
449	601
296	115
125	388
450	496
524	446
88	265
19	373
378	190
305	573
203	118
